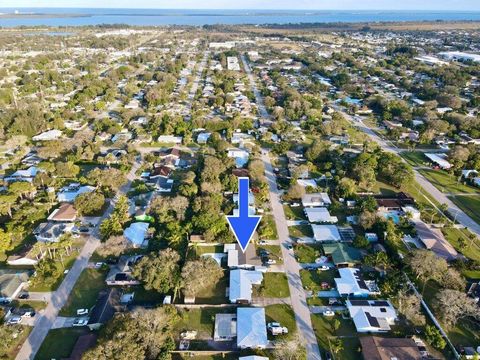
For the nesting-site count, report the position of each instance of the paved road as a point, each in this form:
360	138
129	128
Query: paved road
292	268
442	198
59	297
196	81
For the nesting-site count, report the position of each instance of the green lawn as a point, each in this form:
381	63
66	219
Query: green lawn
143	296
85	291
471	274
15	336
37	305
274	250
282	314
469	204
447	183
414	158
325	333
200	320
311	280
267	229
215	294
308	253
59	343
196	251
274	285
300	231
472	250
294	213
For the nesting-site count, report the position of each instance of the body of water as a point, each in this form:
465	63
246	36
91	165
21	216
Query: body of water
78	17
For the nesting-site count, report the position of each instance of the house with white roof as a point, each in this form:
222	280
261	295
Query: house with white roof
319	215
136	234
372	315
439	159
326	233
69	193
352	284
203	137
241	283
170	139
48	135
253	357
241	156
23	175
316	199
251	328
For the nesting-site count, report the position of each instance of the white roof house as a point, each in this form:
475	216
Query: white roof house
351	284
241	156
136	233
69	193
47	135
326	233
23	175
170	139
372	315
251	328
320	215
307	182
241	282
439	160
203	137
316	199
253	357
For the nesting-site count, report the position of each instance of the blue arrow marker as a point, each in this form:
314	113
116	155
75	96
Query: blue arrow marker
243	225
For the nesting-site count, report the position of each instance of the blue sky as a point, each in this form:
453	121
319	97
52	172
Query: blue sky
466	5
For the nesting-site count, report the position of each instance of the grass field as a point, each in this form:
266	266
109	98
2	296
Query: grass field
274	285
472	249
11	344
200	320
469	204
85	292
267	230
284	315
300	231
59	343
447	183
325	333
274	250
308	253
414	158
294	213
215	294
311	280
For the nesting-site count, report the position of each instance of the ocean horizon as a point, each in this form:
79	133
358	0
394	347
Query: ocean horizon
13	17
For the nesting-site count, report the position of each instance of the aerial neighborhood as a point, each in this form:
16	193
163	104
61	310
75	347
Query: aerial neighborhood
121	151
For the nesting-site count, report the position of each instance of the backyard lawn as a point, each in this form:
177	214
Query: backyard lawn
311	280
85	291
294	213
200	320
300	231
414	158
274	250
469	204
324	331
308	253
267	229
59	343
282	314
274	285
12	343
447	183
215	294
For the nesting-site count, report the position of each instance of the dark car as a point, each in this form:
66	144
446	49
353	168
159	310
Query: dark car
23	296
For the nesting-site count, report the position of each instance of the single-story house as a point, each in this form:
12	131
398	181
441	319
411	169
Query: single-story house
23	175
326	233
69	193
237	259
48	135
241	156
253	357
319	215
29	256
12	282
307	182
203	137
352	284
65	213
107	302
52	231
439	159
121	273
251	328
241	282
162	171
372	315
163	184
380	348
434	240
316	199
136	234
170	139
342	254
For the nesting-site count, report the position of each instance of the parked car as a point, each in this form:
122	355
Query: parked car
289	246
14	320
80	322
328	313
328	356
82	311
23	296
28	313
262	242
271	262
276	329
334	301
98	265
323	268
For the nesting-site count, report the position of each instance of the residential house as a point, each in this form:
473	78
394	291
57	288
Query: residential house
434	240
237	259
170	139
372	315
52	231
380	348
203	137
352	284
108	302
439	160
241	282
326	233
241	156
316	200
225	327
121	273
136	234
23	175
12	282
48	135
319	215
65	213
70	192
342	254
251	328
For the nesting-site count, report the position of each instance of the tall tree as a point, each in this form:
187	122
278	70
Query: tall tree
200	274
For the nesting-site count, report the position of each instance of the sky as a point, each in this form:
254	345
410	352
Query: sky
464	5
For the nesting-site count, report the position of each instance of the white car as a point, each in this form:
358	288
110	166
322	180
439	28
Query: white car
271	262
82	312
262	242
323	268
80	322
98	265
328	313
14	320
